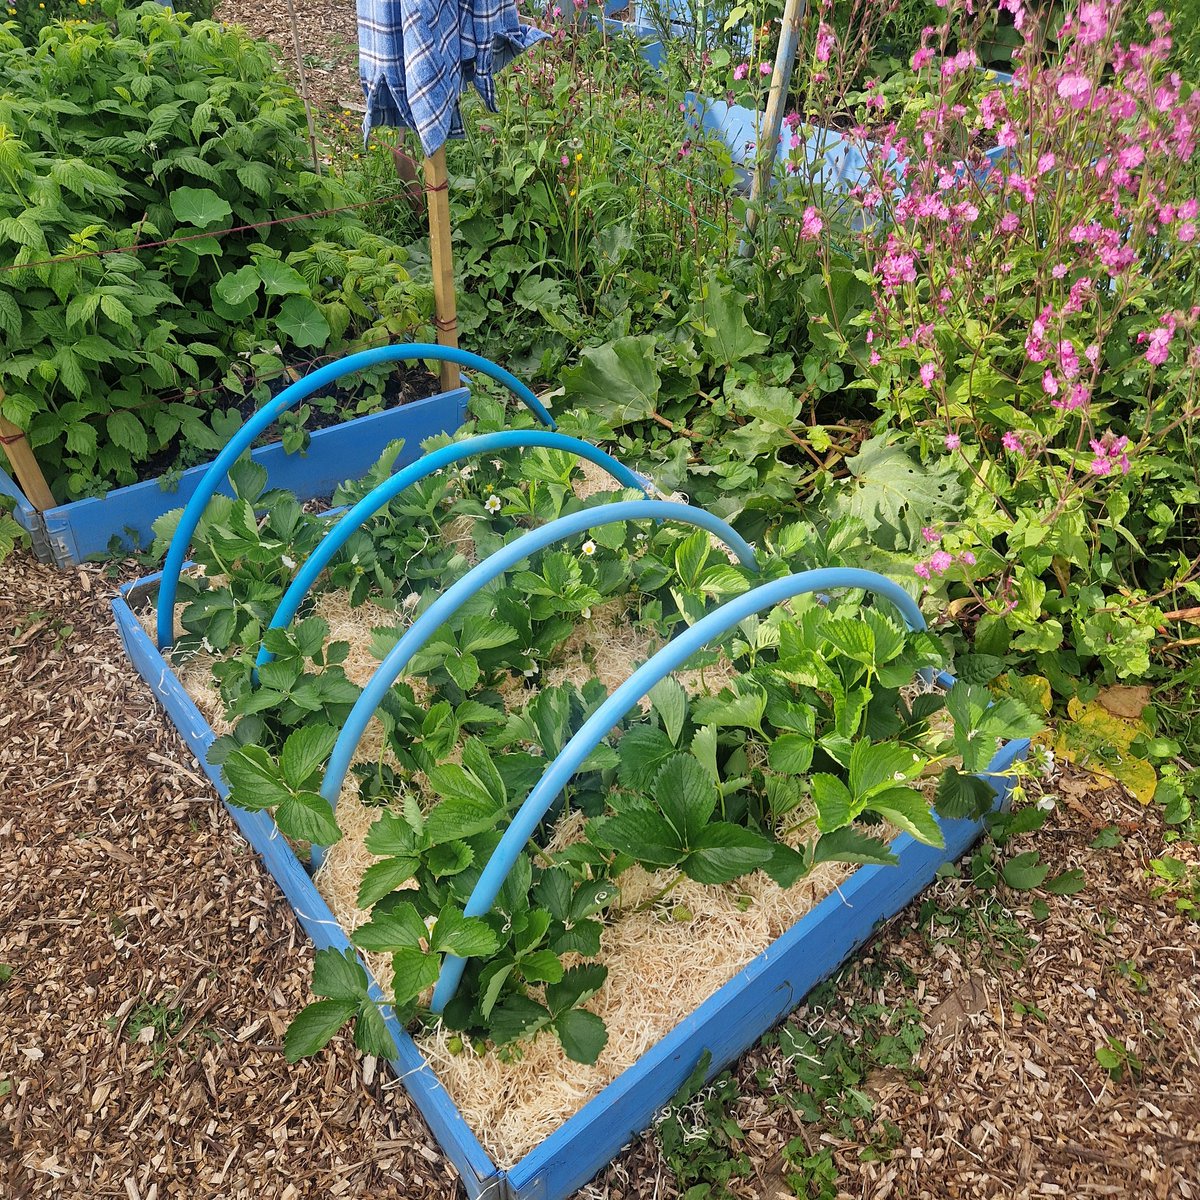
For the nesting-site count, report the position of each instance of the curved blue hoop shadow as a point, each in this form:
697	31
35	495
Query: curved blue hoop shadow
600	723
423	628
267	415
387	491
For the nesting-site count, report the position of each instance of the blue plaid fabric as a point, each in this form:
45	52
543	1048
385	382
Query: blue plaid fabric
417	56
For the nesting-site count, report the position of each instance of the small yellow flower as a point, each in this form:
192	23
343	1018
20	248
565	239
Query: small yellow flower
579	158
573	190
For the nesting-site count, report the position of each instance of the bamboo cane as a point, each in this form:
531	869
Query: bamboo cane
768	138
437	189
294	22
25	467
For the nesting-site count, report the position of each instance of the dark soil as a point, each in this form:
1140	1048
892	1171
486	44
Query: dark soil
407	383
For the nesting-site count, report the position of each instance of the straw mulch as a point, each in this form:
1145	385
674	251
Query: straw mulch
125	891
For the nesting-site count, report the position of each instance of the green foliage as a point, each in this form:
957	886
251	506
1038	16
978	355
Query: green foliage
12	534
142	126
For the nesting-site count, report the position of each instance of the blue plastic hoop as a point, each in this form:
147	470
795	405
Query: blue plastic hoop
423	628
267	415
598	725
391	487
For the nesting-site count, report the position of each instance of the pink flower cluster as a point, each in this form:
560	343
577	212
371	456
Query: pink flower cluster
1160	341
1110	455
940	561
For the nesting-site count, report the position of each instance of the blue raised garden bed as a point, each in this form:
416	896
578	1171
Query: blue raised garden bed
727	1024
70	533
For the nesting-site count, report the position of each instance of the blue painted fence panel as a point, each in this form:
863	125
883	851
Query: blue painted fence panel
86	527
726	1025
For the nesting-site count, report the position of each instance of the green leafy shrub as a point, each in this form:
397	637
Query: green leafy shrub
140	128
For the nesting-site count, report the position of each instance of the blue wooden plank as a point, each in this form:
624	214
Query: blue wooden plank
23	512
480	1176
85	527
740	1012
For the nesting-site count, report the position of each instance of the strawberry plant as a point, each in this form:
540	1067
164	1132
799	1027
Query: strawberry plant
827	740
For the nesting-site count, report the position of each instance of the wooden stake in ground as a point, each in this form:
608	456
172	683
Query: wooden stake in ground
437	192
312	129
25	467
768	138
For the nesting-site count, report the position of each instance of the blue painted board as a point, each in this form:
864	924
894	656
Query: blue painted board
84	528
738	1014
729	1022
479	1174
23	512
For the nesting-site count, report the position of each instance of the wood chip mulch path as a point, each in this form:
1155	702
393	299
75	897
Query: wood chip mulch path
148	969
154	964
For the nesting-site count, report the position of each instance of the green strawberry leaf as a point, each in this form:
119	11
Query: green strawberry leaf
314	1026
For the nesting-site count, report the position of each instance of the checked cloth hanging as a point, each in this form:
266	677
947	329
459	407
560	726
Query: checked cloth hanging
417	56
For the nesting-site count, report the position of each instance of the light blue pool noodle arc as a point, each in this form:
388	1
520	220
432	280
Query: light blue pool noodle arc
390	488
672	656
270	412
449	602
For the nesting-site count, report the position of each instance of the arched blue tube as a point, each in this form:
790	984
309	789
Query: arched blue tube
672	656
423	628
391	487
268	414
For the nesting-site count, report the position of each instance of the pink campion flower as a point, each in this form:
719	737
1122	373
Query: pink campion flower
967	558
1092	354
764	68
1109	451
941	561
992	108
1092	24
931	535
1009	222
812	224
1068	359
1012	442
566	162
825	42
921	570
922	58
1075	90
1131	156
1188	209
875	360
1187	231
897	269
928	374
1007	136
1049	384
1046	162
1058	270
741	71
1160	342
794	142
953	441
